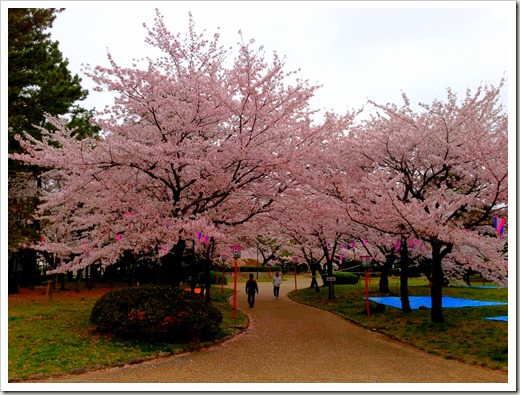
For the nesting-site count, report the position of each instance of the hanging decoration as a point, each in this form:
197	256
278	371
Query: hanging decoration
499	224
412	243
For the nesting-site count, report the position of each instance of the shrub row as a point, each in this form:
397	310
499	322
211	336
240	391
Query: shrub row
156	313
342	278
262	269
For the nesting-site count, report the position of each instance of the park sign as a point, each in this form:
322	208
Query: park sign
330	279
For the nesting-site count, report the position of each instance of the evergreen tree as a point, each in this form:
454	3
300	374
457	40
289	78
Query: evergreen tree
39	83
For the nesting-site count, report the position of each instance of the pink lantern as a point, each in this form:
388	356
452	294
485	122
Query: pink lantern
236	250
499	224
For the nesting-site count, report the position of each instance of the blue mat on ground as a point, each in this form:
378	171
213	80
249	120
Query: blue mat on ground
447	301
500	318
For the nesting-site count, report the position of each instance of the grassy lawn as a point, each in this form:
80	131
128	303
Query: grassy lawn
48	337
51	337
464	335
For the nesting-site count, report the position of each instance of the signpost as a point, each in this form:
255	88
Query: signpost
236	250
365	263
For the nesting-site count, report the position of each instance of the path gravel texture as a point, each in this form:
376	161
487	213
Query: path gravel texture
287	342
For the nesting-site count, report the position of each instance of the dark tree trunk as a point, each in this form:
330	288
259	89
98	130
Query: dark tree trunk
13	284
331	283
88	277
405	301
30	275
437	279
176	275
78	278
314	282
385	272
62	278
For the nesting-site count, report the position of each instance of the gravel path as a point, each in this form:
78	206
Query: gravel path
292	343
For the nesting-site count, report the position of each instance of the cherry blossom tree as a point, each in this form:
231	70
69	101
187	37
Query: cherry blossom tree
195	142
438	176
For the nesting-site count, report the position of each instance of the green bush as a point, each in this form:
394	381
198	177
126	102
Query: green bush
262	269
342	278
346	278
156	313
213	276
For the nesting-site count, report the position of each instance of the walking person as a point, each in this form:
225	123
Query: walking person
277	281
251	290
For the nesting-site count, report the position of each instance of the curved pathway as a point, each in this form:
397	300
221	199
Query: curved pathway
287	342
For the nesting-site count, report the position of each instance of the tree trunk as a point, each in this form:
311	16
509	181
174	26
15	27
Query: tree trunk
30	274
405	301
385	271
331	283
172	262
62	278
436	284
78	278
314	282
87	277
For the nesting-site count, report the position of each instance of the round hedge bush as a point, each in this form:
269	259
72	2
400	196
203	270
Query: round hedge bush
341	278
346	278
156	313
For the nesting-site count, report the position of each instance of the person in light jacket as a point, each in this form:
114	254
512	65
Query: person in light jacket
277	281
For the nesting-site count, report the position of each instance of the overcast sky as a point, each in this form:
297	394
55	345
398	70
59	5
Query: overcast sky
357	50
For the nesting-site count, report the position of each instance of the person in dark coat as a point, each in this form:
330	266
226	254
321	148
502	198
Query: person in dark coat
251	290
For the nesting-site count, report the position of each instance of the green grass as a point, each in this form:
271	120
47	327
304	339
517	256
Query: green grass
54	337
464	335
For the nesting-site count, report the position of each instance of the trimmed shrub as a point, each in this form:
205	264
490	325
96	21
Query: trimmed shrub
341	278
156	313
346	278
262	269
213	276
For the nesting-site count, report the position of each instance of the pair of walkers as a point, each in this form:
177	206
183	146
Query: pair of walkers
252	288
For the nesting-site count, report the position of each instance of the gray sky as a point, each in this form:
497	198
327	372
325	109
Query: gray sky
357	50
